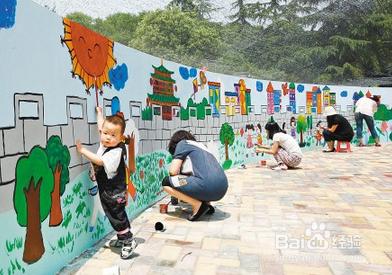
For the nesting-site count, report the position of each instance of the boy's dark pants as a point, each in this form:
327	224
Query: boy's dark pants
114	207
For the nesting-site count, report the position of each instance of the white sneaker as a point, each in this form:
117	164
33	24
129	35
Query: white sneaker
127	249
280	167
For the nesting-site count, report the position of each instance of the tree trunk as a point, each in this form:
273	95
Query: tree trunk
56	215
131	154
227	150
34	244
301	138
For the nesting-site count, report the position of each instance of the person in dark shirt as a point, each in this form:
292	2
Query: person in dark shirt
196	177
338	129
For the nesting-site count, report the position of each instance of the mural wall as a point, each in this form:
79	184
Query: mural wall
54	72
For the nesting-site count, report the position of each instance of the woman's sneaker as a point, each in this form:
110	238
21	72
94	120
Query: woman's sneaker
280	167
128	248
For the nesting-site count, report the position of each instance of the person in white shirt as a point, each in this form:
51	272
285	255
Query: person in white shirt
364	110
285	149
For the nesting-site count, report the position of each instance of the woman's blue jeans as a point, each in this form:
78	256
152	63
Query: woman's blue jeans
359	117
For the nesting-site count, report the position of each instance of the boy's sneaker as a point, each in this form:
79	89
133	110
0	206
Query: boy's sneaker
119	242
114	243
128	248
280	167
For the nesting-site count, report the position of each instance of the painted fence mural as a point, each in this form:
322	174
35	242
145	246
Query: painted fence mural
53	74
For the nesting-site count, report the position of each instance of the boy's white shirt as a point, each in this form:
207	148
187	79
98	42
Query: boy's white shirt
111	160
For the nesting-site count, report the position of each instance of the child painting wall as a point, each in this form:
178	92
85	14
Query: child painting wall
53	75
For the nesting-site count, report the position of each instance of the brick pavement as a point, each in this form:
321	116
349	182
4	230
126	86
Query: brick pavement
331	216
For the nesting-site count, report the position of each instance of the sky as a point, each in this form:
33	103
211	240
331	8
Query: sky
103	8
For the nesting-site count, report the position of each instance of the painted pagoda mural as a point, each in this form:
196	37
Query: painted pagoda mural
163	93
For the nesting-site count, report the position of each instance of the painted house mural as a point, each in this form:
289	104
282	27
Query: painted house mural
49	208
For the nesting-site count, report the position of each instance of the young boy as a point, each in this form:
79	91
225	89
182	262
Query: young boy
109	166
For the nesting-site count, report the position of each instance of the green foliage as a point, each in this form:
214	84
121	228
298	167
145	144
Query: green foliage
81	18
226	134
33	169
58	155
307	41
227	164
172	34
301	124
147	113
383	113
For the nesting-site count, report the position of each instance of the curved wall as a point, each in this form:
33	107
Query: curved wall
54	72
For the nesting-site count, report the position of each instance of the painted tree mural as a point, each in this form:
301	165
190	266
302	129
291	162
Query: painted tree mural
34	185
384	115
301	128
59	159
226	137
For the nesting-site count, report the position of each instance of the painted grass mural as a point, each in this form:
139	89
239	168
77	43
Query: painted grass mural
50	210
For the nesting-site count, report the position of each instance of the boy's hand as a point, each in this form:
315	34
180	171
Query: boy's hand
98	109
79	147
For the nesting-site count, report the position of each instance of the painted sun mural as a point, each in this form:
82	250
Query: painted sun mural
91	54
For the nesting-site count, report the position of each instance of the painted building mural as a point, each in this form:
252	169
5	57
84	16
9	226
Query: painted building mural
49	208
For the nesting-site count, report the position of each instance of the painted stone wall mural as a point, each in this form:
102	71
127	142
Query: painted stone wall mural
50	211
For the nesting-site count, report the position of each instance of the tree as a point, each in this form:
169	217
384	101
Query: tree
183	5
384	115
82	19
241	14
59	159
226	137
301	128
174	35
32	199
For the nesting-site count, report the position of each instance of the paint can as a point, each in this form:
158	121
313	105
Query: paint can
263	162
163	208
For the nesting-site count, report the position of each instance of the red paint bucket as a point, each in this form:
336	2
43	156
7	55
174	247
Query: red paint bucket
263	162
163	208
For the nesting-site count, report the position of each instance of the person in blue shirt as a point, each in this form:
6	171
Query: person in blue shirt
196	177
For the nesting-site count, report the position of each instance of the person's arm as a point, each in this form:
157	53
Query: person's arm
374	107
175	167
272	150
100	118
332	129
94	158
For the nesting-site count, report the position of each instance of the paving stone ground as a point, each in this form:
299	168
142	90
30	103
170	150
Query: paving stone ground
333	215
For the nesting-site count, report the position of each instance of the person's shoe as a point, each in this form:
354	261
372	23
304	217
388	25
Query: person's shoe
361	144
204	207
114	243
281	166
327	150
173	200
211	210
128	248
377	145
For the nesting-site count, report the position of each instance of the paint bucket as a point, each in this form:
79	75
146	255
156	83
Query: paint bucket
263	162
163	208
